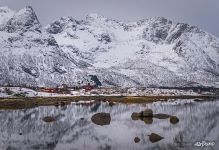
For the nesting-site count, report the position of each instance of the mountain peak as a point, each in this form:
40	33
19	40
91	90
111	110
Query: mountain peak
67	20
154	20
152	52
5	14
59	25
26	14
23	20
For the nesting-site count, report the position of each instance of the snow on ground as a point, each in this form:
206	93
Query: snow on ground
149	52
25	92
13	91
165	56
5	14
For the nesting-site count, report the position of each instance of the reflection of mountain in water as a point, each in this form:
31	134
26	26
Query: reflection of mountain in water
24	129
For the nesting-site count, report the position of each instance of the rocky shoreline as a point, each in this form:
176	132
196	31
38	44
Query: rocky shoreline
20	98
21	92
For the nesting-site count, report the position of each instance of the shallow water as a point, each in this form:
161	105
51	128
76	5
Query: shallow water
71	128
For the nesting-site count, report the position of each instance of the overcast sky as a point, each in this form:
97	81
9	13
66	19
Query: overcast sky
203	13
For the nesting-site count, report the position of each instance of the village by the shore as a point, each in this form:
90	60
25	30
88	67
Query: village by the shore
92	90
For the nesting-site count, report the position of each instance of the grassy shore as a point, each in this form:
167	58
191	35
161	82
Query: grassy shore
25	103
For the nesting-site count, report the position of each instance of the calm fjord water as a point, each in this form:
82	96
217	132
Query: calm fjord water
71	128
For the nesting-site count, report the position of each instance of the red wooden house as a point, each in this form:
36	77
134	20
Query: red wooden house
48	90
88	87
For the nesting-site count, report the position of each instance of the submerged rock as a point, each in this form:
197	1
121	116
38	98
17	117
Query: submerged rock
174	120
57	104
62	104
135	116
111	104
153	137
147	113
161	116
101	119
137	140
146	116
147	120
49	119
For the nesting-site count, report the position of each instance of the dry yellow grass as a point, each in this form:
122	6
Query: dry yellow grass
25	103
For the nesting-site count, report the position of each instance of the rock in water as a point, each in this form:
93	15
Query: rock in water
174	120
111	104
135	116
49	119
62	104
161	116
155	137
146	116
147	120
137	140
101	119
147	113
57	104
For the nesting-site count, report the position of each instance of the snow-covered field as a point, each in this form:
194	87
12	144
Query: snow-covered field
25	92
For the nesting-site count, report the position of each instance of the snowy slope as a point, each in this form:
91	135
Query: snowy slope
150	52
30	57
5	15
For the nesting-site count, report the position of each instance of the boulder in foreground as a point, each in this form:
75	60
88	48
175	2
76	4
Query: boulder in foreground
153	137
137	140
49	119
161	116
174	120
101	119
147	113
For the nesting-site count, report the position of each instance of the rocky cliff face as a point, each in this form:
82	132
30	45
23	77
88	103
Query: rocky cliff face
29	56
23	21
150	52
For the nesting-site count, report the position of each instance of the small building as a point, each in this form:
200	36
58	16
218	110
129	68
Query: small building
63	86
88	87
48	90
59	89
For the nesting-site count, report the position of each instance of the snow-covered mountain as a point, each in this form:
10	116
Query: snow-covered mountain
150	52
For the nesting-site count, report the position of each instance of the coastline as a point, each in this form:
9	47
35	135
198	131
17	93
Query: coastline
31	102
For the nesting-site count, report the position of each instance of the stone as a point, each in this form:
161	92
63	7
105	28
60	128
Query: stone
147	120
57	104
111	104
135	114
101	119
49	119
161	116
62	104
147	113
153	137
137	140
174	120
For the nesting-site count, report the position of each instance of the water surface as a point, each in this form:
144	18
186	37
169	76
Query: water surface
71	128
